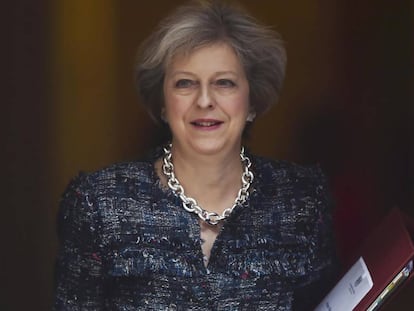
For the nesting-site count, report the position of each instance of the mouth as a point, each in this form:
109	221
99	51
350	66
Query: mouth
206	123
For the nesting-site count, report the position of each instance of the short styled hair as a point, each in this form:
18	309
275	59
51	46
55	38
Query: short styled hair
201	23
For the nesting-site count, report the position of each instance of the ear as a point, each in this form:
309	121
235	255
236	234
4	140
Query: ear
251	116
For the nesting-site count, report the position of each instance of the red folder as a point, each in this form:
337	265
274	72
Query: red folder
388	253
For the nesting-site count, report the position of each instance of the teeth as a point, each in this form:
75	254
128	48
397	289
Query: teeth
207	123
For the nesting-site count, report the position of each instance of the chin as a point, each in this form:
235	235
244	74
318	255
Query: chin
207	146
214	148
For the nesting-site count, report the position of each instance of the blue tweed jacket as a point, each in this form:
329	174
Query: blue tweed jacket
126	243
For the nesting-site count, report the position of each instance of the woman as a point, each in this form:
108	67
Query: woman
204	225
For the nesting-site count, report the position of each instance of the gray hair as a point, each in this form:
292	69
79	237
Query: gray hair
201	23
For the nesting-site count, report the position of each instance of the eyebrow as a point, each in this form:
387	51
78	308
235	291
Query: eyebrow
218	73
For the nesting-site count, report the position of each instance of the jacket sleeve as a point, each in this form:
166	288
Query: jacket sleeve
322	257
78	271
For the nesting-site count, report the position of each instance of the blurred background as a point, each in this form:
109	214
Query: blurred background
70	105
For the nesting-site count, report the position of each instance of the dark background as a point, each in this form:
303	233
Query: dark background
69	104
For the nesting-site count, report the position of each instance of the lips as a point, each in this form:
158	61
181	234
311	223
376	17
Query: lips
206	123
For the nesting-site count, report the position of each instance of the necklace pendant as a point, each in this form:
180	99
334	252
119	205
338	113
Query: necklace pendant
211	218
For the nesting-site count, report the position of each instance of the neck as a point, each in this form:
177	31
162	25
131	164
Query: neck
207	169
213	180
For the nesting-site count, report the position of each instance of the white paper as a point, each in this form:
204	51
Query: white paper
350	290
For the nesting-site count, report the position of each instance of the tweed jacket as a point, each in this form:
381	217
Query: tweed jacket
126	243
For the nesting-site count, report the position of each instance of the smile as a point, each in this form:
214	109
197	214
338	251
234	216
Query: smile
206	123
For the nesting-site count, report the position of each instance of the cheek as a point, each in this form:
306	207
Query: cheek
175	108
170	101
243	100
240	106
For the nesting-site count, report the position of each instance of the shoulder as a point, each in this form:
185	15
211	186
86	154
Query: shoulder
116	179
297	196
139	171
285	174
86	191
89	194
300	193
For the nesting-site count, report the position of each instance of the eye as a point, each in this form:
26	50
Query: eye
225	83
184	83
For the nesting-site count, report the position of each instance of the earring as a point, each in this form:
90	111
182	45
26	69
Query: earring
251	116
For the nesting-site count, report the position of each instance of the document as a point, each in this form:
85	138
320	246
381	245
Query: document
350	290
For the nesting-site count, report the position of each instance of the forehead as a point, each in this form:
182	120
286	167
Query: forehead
218	54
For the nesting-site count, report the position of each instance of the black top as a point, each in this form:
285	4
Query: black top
126	243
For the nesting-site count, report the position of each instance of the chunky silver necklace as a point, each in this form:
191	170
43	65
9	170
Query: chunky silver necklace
191	205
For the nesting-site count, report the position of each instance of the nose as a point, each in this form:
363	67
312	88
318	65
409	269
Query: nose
205	98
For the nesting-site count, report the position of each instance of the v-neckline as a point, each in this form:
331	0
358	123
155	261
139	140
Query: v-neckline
207	254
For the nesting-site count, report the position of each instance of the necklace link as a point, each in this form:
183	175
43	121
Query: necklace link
190	204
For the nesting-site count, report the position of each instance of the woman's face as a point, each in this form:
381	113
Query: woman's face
206	100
